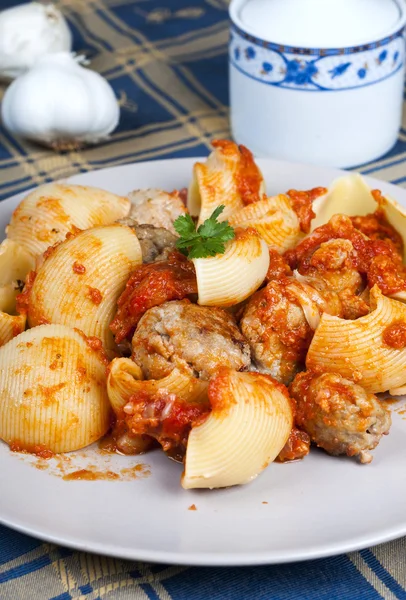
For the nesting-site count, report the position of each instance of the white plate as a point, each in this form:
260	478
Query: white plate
319	507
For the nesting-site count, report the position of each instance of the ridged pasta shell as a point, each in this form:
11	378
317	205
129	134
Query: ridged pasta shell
350	195
125	379
229	278
250	422
52	391
52	210
356	349
275	221
78	285
221	181
310	301
10	326
15	262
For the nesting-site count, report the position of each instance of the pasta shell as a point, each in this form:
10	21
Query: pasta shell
250	422
15	262
78	285
52	210
125	379
357	350
274	219
347	195
53	391
229	177
310	301
396	216
229	278
350	195
10	326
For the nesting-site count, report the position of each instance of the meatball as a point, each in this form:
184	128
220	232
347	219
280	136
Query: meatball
296	448
156	207
339	415
331	264
330	270
275	326
196	339
152	285
156	242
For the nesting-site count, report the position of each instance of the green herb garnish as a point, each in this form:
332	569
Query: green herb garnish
208	240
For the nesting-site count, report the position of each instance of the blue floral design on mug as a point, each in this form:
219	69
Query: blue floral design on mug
316	70
362	73
266	68
250	52
300	72
339	70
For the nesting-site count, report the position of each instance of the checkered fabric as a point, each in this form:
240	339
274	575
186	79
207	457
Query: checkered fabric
166	60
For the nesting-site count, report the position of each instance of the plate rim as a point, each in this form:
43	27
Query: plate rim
205	559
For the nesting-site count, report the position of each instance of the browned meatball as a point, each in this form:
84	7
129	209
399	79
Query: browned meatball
156	242
196	339
276	328
297	446
339	415
156	207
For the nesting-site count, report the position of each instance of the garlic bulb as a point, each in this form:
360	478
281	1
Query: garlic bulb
28	32
60	103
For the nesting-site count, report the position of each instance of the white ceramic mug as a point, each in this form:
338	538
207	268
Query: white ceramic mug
330	106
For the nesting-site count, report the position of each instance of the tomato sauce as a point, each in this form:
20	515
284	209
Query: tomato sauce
377	259
376	227
151	285
302	202
38	449
96	345
23	299
95	295
394	335
78	268
248	177
89	475
278	267
297	446
165	417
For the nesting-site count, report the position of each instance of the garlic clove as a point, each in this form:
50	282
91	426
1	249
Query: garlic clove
60	103
28	32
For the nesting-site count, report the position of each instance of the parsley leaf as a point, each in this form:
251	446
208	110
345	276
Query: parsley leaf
184	226
208	240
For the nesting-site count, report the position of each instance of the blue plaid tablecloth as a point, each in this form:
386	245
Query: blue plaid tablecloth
166	60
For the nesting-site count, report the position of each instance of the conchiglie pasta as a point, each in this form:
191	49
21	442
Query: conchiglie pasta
79	283
359	349
274	219
250	422
229	177
350	195
10	326
15	263
227	279
125	379
52	210
52	391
